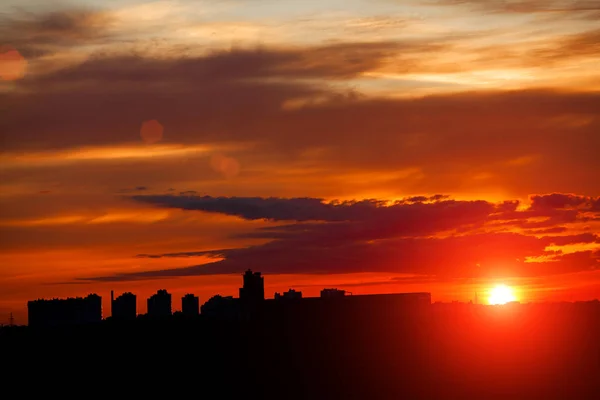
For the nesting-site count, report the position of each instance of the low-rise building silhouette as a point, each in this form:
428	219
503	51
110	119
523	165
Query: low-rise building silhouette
289	295
123	307
69	311
190	305
335	293
221	307
159	304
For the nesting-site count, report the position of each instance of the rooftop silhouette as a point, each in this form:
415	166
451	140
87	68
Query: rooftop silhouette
56	312
159	304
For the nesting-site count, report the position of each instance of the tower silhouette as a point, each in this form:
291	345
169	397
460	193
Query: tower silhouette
254	287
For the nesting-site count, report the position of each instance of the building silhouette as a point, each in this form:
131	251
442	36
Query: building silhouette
190	305
332	293
159	304
123	307
254	287
70	311
221	307
289	295
251	305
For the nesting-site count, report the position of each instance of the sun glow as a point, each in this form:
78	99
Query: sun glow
501	294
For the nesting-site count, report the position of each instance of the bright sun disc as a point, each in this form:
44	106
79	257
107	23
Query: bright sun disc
501	294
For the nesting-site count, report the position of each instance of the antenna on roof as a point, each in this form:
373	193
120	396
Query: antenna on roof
11	320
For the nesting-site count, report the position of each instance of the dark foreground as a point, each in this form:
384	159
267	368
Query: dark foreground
447	352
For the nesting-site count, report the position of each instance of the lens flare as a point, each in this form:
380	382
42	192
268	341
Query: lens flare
151	131
12	64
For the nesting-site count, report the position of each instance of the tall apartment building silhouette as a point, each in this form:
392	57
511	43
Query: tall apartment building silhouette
254	287
190	305
123	307
159	304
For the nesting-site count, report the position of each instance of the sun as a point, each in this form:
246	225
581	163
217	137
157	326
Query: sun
501	294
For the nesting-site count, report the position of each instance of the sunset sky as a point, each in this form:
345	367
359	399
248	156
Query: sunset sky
370	145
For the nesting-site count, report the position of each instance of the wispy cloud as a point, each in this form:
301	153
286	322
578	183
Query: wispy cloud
95	154
524	6
38	34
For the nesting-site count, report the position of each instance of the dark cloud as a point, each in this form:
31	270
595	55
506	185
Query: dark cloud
443	238
188	254
35	34
482	255
565	201
298	209
412	210
335	61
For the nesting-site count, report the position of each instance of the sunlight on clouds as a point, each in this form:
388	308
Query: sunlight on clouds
574	247
101	153
560	250
147	216
510	53
138	216
156	11
227	31
310	29
177	21
541	259
60	220
472	78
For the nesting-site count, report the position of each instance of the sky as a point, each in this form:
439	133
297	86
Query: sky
375	146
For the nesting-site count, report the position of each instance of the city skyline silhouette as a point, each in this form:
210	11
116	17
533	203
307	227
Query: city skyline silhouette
390	345
56	312
125	306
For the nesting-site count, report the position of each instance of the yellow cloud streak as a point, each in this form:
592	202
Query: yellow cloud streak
574	247
39	159
147	216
